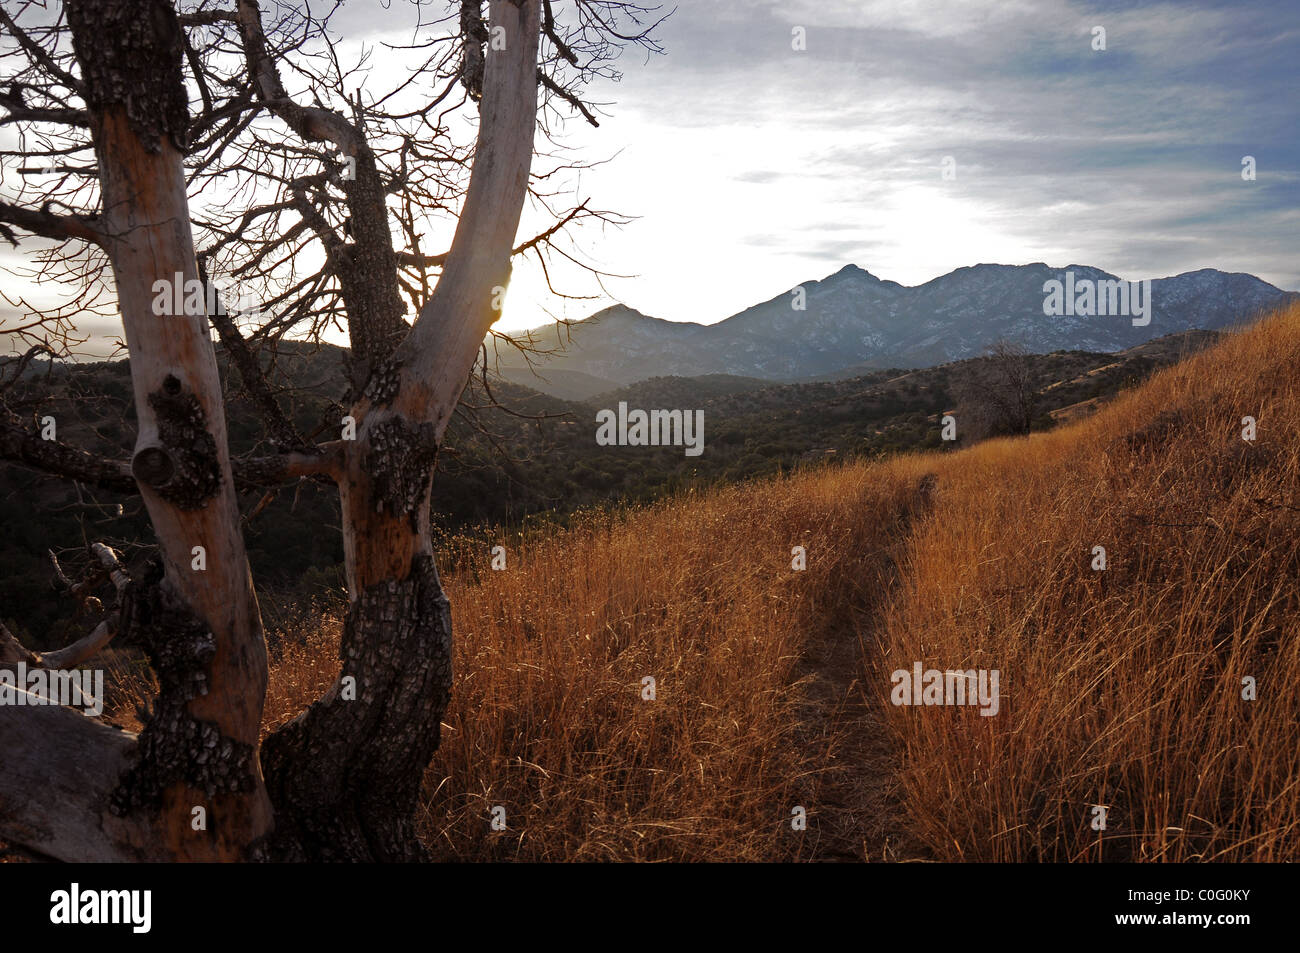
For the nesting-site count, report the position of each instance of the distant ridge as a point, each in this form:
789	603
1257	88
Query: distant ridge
853	321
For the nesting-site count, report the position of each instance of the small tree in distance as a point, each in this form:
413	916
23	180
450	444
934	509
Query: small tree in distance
995	394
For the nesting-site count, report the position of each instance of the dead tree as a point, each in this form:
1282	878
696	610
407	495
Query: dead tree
996	393
105	97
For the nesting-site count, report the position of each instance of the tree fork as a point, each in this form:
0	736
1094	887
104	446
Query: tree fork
345	774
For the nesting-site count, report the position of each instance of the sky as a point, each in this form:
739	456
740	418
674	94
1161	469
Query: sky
755	166
752	165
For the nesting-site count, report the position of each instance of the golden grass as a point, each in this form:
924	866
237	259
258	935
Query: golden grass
548	718
1120	688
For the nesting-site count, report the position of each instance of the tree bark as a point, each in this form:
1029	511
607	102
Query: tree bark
346	774
202	629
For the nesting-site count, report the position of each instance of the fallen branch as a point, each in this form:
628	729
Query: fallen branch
12	651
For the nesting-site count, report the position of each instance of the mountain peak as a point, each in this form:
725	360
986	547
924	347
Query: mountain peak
619	308
852	270
853	318
617	313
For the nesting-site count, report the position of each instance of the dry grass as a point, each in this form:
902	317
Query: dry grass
1120	688
548	719
1124	687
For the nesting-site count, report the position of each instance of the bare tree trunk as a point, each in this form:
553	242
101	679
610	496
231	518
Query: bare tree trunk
346	774
202	629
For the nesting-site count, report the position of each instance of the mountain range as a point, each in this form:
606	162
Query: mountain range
853	322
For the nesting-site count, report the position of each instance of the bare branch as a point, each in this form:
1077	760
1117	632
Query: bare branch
282	430
445	341
48	225
12	651
567	96
21	445
311	123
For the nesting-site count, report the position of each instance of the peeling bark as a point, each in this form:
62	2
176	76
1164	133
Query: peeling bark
130	57
401	461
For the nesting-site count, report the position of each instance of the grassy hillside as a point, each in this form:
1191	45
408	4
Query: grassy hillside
1120	688
535	463
1124	686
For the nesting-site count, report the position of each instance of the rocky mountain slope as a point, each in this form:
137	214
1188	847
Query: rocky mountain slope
853	322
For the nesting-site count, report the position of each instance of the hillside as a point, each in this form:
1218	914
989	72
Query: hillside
502	466
557	382
1125	685
1120	689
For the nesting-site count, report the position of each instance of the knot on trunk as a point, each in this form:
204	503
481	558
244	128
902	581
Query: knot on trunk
184	467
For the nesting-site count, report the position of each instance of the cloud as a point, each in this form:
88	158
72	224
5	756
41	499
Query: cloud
753	166
1127	158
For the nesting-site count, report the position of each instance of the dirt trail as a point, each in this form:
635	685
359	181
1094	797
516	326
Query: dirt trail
858	812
